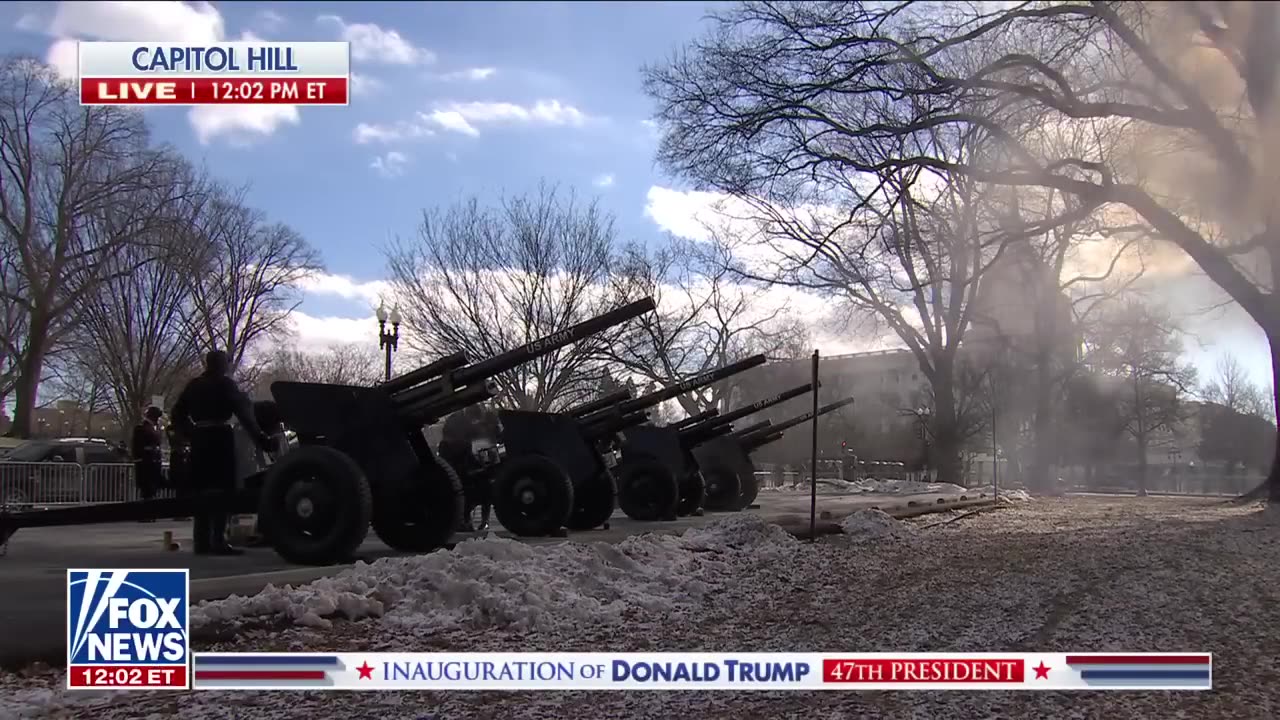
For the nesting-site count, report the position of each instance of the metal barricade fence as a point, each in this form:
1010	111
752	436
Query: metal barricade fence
54	484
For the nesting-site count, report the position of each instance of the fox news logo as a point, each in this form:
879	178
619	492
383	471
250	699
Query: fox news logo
128	628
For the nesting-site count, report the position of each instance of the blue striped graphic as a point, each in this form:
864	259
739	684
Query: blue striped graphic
1145	674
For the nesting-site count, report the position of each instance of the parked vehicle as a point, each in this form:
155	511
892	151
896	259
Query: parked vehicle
52	472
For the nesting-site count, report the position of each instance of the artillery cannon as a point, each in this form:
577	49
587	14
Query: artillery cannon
656	477
726	460
362	459
581	445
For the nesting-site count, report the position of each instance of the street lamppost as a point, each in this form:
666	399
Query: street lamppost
923	413
388	340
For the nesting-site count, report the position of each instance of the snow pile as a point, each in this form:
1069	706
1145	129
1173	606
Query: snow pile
505	583
873	525
1007	495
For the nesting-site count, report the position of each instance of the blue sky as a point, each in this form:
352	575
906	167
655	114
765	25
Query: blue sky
552	90
452	99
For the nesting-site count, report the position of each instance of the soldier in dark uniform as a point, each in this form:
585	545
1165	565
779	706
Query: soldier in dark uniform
202	414
146	452
459	430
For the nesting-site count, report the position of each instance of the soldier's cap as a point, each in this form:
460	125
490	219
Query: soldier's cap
154	413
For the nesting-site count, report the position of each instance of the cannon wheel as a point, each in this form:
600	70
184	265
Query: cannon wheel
315	506
594	502
532	496
692	492
723	488
749	490
647	491
427	520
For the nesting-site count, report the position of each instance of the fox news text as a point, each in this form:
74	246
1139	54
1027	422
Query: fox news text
128	629
233	73
702	671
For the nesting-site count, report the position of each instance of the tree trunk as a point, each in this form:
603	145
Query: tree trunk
1045	438
28	384
946	435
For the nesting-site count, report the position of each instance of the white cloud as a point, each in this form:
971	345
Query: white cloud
603	181
468	75
391	164
453	120
466	119
362	84
366	133
315	333
240	124
346	287
268	21
63	56
198	22
693	214
372	43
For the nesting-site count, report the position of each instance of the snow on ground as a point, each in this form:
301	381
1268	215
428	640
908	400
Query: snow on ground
506	583
1074	574
875	525
874	486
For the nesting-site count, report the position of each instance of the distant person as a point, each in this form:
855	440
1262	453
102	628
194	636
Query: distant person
147	452
457	433
203	415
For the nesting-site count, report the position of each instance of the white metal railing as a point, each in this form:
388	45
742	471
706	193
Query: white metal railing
52	483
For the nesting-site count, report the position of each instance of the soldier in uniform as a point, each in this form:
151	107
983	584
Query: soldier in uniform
459	430
146	452
203	414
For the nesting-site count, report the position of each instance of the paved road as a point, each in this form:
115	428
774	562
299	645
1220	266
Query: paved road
33	571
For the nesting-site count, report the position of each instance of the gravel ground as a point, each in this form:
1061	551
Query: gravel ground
1079	574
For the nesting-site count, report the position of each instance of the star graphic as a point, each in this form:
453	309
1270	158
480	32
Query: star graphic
1042	671
366	672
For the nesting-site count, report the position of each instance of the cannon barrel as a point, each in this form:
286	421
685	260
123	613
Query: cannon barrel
430	371
698	381
764	440
748	430
694	419
751	439
502	362
614	423
432	408
759	405
598	404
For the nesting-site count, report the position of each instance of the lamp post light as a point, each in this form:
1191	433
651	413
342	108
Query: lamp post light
924	415
388	341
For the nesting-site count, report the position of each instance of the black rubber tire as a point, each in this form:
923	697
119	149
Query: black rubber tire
748	490
333	524
532	496
426	521
692	492
723	489
647	491
594	502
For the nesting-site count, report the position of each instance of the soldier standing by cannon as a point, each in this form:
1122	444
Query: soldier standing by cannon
146	451
203	414
459	432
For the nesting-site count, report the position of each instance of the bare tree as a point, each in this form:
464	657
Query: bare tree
1139	347
704	319
1183	95
488	279
132	332
345	364
250	288
1233	390
77	186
